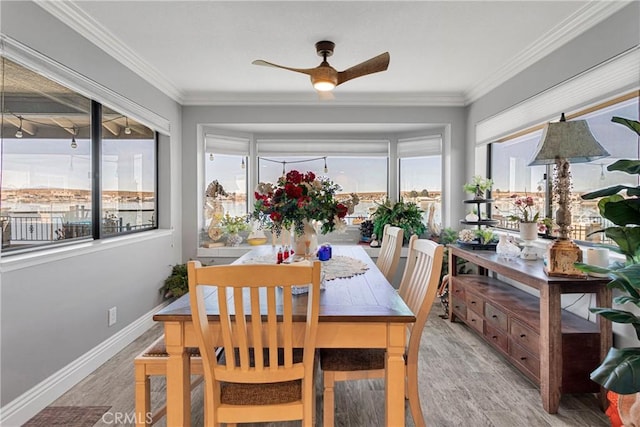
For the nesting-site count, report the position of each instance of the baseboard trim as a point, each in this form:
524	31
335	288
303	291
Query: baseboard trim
28	404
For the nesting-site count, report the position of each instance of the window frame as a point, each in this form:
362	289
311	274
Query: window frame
98	95
582	114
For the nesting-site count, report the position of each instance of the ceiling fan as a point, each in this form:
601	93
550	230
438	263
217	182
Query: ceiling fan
324	77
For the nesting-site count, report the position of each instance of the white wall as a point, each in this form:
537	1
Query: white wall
54	303
452	118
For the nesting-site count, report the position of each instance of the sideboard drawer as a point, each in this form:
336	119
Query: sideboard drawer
475	320
475	303
525	336
496	317
457	289
496	337
459	308
525	359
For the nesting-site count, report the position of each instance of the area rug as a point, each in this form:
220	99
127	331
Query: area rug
68	416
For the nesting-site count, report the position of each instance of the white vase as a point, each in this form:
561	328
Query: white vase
309	235
507	250
528	231
234	239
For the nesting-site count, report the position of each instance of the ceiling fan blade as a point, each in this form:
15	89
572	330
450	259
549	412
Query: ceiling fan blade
307	71
373	65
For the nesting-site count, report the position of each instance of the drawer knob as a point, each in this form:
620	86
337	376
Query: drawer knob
494	316
523	335
523	358
473	320
495	337
473	302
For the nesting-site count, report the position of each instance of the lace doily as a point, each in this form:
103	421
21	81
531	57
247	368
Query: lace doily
338	267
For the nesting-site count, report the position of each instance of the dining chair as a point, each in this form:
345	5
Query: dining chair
153	362
261	377
418	290
390	248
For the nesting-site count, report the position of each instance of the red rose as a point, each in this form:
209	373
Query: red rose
310	176
342	210
294	177
293	191
275	216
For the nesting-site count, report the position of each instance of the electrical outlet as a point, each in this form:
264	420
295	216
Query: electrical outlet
112	316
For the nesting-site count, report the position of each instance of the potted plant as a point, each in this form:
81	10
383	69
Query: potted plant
176	284
232	226
366	230
478	186
400	214
620	371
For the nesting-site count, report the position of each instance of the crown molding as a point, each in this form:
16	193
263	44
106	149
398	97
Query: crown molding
73	16
340	98
587	16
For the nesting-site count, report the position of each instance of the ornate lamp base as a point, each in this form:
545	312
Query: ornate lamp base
561	255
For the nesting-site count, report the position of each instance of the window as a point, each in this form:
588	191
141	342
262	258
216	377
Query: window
49	191
226	184
365	176
420	172
128	174
511	174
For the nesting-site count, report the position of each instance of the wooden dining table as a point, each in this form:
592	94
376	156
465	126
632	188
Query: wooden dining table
362	311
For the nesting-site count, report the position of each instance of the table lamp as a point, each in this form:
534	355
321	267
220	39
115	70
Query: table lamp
563	143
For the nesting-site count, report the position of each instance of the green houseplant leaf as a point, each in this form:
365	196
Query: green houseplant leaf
404	215
634	125
620	371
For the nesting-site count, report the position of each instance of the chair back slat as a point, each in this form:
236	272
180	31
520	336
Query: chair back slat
272	327
389	255
256	329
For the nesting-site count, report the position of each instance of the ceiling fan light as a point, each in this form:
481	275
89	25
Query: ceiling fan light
323	86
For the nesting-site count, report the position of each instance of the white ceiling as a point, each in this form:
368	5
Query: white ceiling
442	52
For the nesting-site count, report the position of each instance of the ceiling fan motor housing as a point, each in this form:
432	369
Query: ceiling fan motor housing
325	48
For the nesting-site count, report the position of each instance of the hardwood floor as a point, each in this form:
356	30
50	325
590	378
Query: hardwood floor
463	382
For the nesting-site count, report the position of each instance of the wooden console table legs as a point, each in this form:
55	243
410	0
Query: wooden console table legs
550	348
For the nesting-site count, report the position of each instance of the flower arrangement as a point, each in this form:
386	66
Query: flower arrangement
524	207
298	198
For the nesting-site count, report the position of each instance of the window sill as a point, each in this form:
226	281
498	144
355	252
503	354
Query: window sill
30	259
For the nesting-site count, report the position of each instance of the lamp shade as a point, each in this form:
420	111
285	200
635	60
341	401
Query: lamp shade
568	140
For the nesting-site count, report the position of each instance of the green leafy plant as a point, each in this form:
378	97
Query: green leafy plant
176	284
400	214
235	224
478	185
485	235
620	371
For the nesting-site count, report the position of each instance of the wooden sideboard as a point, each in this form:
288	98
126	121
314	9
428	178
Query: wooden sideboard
554	348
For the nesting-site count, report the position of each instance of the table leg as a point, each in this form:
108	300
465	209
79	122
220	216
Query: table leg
395	375
603	299
550	347
178	376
